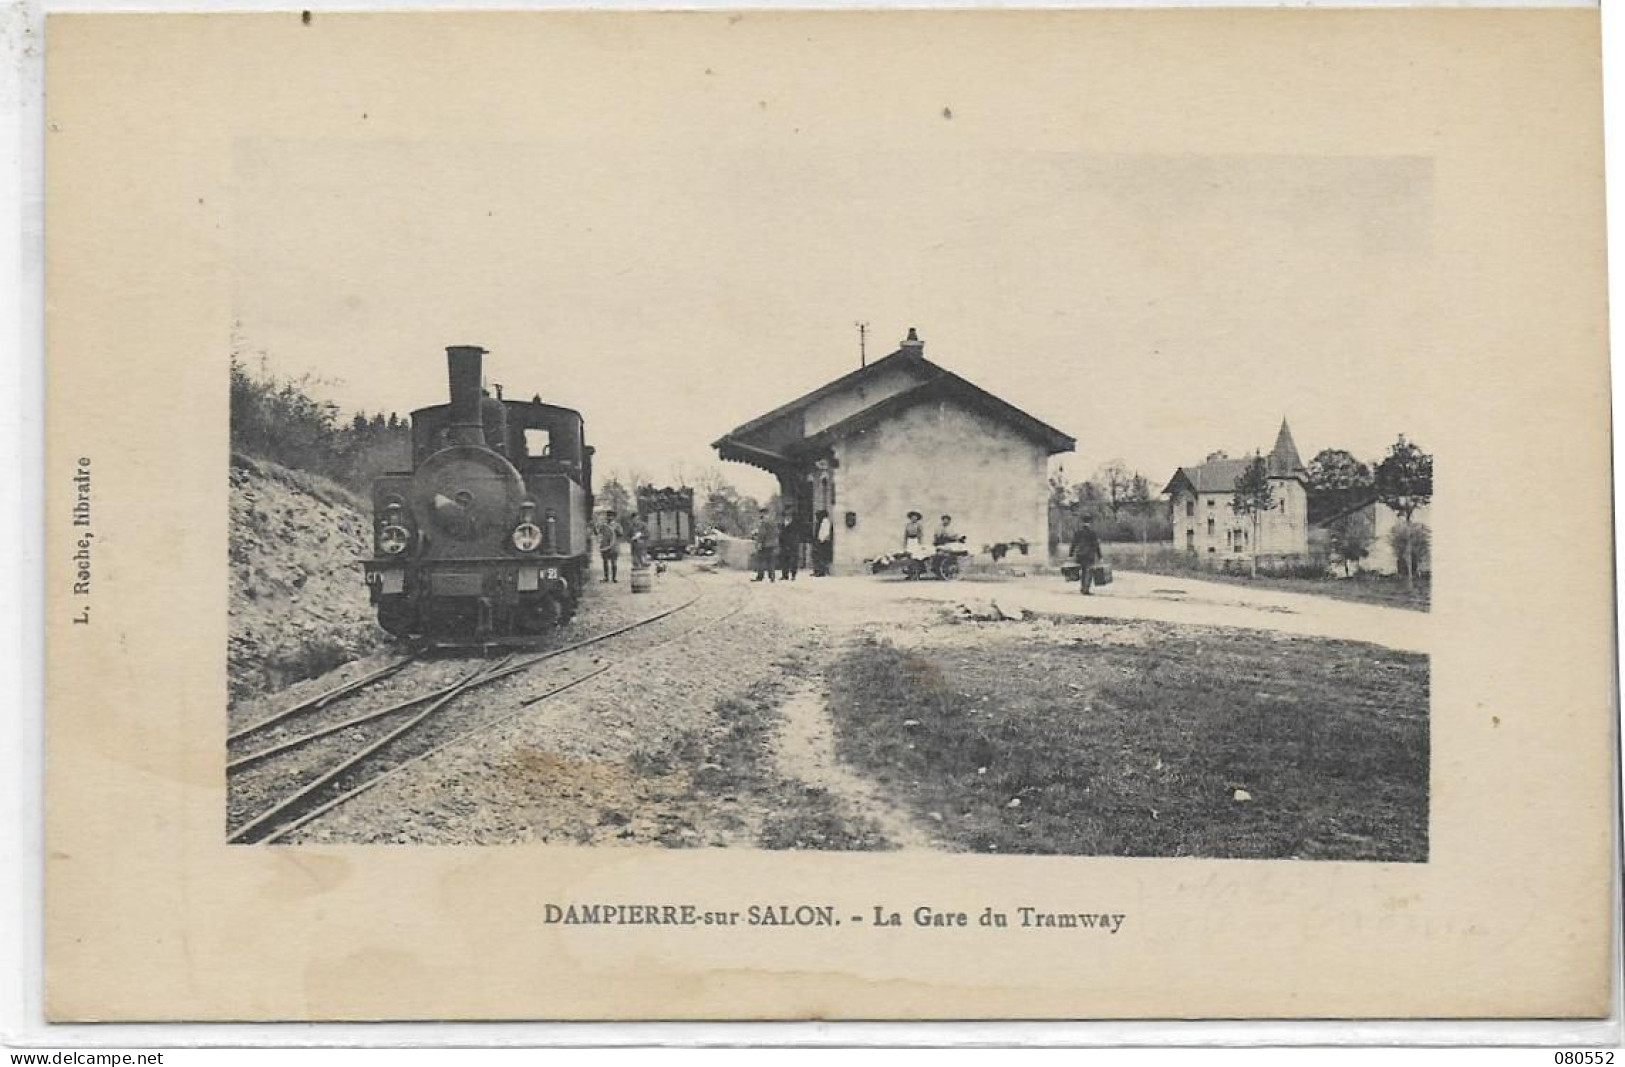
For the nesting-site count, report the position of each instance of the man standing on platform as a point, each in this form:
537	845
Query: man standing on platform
608	533
789	547
767	546
823	544
640	543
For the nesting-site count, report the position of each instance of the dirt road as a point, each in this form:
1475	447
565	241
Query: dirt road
717	734
1133	595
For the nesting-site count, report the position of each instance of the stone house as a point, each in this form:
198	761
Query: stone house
904	434
1205	526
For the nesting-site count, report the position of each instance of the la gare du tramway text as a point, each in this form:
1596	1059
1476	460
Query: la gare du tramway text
821	915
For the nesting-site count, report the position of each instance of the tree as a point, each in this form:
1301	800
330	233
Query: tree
1142	507
1404	482
1337	482
614	496
1060	488
1404	479
1254	495
1411	542
1059	510
1351	537
1115	484
1090	498
634	478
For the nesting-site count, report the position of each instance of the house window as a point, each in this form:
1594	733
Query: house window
1190	539
1210	525
1209	501
1190	507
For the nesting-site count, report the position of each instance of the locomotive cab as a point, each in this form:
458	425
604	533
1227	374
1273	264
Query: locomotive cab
486	536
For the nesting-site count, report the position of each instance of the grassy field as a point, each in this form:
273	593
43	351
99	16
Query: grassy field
1133	739
1387	590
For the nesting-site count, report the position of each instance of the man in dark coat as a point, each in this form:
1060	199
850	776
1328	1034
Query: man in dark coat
1086	551
767	546
789	547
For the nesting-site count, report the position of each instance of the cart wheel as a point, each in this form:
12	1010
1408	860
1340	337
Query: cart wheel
950	569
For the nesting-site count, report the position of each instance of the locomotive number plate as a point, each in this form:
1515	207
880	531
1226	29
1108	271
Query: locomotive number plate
531	578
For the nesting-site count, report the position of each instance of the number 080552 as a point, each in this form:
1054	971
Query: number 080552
1604	1057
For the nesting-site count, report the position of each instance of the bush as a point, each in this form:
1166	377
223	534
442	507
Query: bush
1128	525
1305	568
278	419
1412	542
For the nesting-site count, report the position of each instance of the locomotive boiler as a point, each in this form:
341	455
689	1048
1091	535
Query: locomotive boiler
486	536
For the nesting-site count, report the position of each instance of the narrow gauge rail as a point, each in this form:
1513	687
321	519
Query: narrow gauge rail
324	698
365	783
306	802
355	686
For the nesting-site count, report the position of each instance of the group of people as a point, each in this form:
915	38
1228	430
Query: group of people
609	535
914	535
778	545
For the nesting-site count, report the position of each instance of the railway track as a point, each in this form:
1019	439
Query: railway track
370	746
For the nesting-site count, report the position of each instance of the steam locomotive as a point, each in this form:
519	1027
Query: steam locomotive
487	535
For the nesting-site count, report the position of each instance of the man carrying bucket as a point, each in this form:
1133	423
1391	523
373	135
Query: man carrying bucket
1086	550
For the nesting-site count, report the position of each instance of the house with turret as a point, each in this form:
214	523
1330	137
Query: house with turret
1206	526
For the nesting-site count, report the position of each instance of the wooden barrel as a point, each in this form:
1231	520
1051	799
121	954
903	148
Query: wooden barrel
642	580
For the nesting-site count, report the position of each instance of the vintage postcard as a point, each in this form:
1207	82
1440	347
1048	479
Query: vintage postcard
864	515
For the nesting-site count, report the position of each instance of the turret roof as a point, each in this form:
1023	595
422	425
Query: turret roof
1284	460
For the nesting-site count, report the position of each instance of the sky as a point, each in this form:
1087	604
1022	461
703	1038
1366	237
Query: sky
673	281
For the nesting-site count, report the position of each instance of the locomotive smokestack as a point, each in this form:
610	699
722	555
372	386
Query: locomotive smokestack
465	362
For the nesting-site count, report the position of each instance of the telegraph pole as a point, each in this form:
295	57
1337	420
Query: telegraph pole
863	349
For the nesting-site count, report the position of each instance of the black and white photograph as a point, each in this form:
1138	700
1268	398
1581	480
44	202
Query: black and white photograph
1066	508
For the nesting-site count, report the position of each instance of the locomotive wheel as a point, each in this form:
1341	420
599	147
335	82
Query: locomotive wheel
396	618
540	616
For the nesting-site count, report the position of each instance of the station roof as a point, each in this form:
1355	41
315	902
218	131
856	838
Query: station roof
776	441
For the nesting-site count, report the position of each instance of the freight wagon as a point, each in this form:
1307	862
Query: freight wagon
669	514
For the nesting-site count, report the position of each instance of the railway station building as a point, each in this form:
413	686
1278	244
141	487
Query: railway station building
904	434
